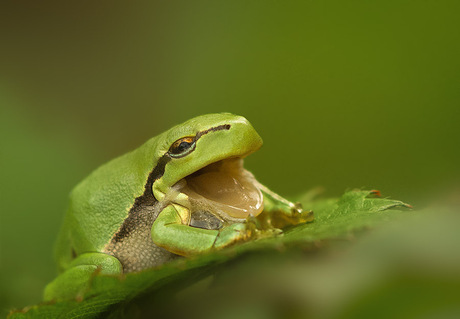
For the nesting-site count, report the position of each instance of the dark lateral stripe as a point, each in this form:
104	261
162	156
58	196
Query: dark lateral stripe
147	198
212	129
155	174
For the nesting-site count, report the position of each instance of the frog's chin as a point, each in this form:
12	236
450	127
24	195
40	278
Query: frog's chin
224	188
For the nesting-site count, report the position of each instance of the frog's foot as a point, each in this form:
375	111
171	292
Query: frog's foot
290	215
262	227
270	232
76	281
280	212
235	233
297	215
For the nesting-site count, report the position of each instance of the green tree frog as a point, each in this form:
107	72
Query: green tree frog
182	193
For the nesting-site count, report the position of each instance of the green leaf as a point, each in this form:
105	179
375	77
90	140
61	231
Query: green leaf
354	211
334	219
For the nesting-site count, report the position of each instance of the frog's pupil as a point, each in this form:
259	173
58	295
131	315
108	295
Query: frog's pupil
183	146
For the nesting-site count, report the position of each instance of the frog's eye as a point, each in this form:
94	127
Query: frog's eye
182	147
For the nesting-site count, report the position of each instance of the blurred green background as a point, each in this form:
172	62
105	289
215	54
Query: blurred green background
345	94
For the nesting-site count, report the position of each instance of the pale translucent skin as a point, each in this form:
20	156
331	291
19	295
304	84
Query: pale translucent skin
145	208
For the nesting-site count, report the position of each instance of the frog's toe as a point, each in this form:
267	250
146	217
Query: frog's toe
252	223
271	232
299	215
276	232
297	208
307	216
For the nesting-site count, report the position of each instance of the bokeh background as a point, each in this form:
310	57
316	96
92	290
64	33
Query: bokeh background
345	94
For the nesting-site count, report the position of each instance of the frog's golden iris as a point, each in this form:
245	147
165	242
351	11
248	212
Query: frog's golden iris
182	147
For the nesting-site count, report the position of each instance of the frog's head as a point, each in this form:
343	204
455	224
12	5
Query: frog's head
201	159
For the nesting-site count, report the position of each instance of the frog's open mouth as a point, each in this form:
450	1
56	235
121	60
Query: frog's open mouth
225	188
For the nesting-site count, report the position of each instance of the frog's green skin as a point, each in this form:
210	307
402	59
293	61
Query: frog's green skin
124	216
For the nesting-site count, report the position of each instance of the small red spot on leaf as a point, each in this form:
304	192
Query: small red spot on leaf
376	192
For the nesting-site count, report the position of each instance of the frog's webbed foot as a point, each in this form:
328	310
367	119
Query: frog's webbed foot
296	215
76	280
280	213
262	227
282	217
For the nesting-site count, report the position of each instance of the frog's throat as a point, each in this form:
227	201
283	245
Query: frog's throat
224	188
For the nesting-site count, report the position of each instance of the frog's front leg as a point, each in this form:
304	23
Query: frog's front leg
76	280
170	232
279	212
